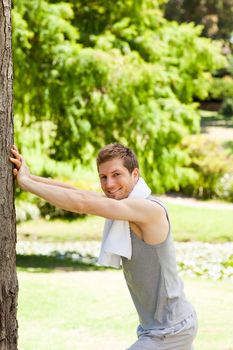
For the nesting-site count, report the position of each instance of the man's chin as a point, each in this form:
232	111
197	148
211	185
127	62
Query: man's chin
114	196
117	196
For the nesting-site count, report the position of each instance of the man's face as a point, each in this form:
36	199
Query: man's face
115	179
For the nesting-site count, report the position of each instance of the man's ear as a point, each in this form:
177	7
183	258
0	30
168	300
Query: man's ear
135	173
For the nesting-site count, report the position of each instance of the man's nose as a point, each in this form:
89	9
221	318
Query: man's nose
110	182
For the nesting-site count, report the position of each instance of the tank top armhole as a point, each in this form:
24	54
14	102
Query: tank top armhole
148	245
154	199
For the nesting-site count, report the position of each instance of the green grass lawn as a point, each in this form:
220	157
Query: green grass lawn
203	224
188	223
92	310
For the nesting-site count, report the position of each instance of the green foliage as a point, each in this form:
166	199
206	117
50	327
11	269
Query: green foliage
210	163
221	88
40	30
104	72
230	64
190	59
94	18
227	107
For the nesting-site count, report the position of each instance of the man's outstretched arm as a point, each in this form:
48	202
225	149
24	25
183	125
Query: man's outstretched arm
87	202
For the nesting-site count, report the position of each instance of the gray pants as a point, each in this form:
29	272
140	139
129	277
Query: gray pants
179	337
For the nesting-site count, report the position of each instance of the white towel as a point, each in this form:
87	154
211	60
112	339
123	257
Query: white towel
116	240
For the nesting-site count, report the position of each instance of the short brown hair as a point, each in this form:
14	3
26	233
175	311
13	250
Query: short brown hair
116	150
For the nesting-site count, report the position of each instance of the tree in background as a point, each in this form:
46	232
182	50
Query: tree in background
8	279
101	73
215	15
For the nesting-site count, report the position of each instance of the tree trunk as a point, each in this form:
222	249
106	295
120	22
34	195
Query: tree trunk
8	278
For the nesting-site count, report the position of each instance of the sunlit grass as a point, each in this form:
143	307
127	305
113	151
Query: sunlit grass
93	310
191	223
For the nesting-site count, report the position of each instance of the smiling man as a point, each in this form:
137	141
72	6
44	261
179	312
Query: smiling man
137	235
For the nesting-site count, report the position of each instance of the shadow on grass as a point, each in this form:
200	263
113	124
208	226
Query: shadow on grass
217	120
44	263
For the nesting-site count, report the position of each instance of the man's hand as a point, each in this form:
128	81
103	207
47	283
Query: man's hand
20	171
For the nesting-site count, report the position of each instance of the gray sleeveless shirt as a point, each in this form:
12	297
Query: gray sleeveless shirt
154	284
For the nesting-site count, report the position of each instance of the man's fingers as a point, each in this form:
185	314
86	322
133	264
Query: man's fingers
15	161
16	154
14	146
15	172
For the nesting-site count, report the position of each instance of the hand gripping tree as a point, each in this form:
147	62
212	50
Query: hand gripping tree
8	278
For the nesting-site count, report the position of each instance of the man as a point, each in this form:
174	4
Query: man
138	226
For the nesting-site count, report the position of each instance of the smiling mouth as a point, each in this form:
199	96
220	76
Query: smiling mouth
113	192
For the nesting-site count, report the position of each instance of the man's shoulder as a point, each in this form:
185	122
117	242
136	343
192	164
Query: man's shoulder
155	199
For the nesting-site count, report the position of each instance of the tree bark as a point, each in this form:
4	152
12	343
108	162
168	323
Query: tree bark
8	277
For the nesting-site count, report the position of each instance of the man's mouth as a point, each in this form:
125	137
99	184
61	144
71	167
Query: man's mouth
112	193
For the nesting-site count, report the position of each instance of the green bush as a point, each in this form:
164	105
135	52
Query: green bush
227	106
211	163
221	88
